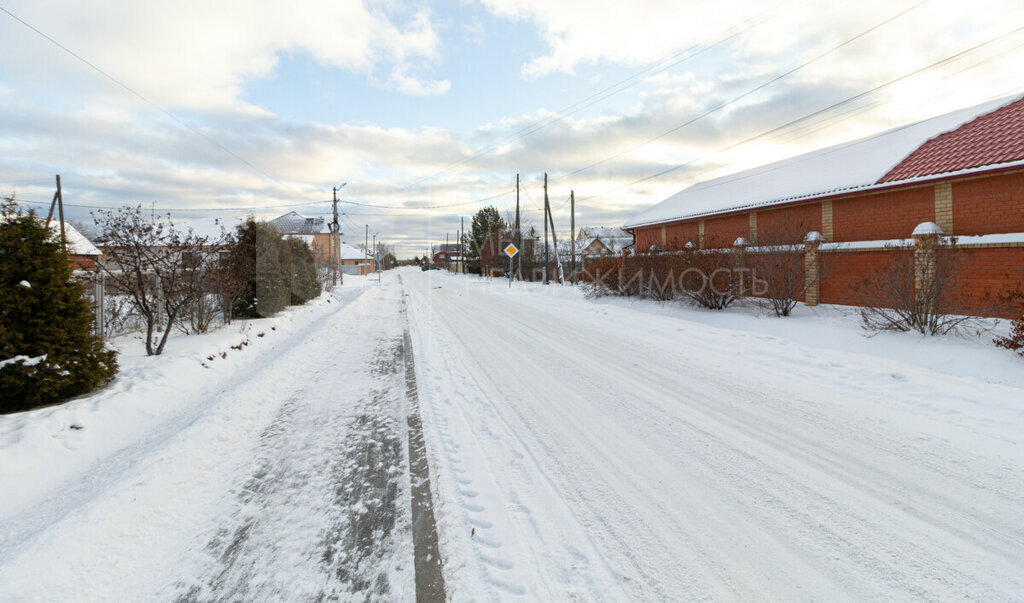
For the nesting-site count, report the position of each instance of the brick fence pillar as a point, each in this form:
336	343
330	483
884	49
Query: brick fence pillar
926	239
739	262
812	281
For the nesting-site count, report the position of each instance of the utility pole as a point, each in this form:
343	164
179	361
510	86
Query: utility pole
518	236
366	241
572	234
447	255
58	201
559	274
545	228
462	246
335	233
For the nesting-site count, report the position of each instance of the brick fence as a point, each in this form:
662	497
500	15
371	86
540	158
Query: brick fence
983	215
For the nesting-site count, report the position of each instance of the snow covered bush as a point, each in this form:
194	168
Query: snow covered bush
47	349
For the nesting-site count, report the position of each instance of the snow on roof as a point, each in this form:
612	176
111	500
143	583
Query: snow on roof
296	223
349	252
77	243
844	167
601	232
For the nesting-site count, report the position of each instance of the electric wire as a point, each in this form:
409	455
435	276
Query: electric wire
846	101
139	95
753	90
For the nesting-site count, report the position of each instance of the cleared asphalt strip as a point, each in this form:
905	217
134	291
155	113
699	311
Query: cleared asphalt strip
429	577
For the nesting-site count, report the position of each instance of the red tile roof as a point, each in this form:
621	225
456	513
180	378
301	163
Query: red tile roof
993	138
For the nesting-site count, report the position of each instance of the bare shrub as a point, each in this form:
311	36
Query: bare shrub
159	267
708	279
928	296
778	262
1015	340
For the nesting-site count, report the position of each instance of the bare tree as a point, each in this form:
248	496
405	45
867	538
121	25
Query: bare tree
157	265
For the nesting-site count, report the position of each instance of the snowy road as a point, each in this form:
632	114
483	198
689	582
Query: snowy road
584	450
589	450
290	481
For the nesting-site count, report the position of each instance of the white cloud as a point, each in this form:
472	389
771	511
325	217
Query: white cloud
199	54
405	84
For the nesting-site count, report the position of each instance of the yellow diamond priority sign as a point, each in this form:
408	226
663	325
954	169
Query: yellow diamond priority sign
511	250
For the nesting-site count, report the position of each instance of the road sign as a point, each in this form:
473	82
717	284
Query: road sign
511	250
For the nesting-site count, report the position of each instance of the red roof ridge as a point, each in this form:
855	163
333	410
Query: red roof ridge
990	139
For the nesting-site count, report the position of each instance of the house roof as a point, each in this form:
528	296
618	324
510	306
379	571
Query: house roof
78	244
993	138
847	167
296	223
349	252
601	232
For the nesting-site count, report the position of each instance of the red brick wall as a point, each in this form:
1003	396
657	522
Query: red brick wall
842	271
988	272
645	237
891	215
989	205
722	232
776	223
677	235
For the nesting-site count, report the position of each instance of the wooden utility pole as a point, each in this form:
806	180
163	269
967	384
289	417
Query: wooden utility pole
462	246
366	241
447	255
559	276
335	234
545	228
518	236
572	235
58	201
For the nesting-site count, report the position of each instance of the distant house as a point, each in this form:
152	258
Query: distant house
314	231
82	254
446	253
356	260
600	241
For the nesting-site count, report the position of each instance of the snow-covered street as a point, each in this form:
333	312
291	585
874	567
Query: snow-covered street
578	449
589	450
287	481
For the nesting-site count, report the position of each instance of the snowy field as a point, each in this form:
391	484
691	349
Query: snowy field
579	449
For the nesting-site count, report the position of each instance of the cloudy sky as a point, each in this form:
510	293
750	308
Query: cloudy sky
428	110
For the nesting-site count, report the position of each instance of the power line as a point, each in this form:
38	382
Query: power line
137	94
761	86
934	65
608	91
304	204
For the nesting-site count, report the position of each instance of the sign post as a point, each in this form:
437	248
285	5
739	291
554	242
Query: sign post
511	252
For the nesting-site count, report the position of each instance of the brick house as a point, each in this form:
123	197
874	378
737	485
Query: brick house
314	231
964	171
